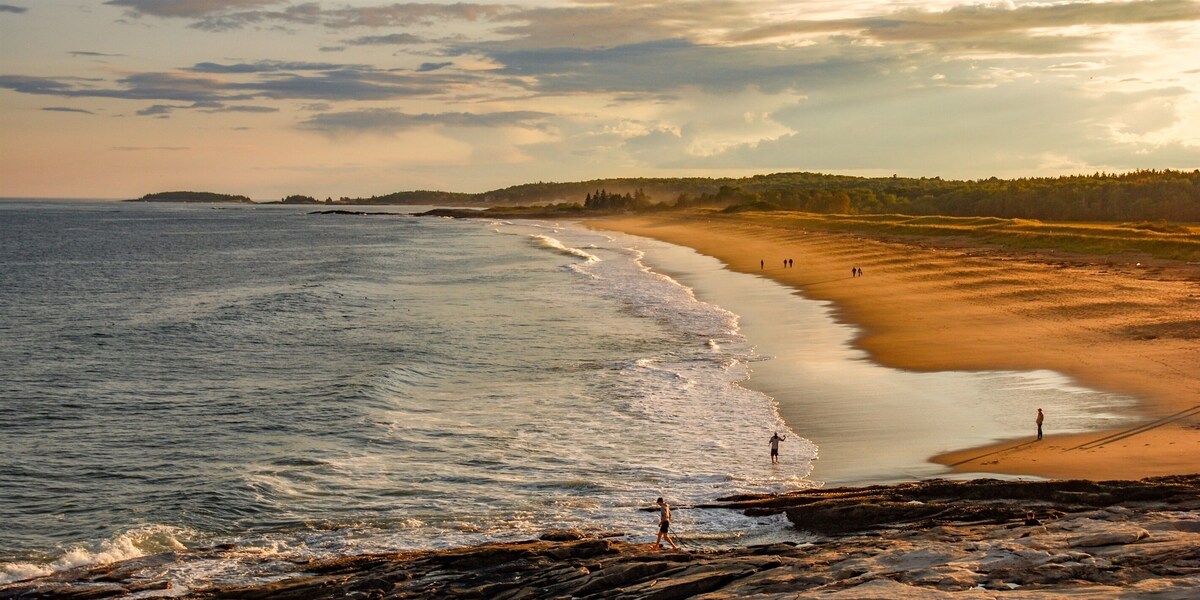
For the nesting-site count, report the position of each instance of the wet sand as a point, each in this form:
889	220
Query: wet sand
1107	323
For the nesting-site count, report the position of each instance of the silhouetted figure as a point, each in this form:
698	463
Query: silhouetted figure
762	265
664	525
1041	417
775	439
854	271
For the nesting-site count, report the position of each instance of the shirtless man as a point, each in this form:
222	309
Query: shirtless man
664	525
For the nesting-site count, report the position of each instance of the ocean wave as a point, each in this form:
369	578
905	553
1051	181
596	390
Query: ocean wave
546	241
133	543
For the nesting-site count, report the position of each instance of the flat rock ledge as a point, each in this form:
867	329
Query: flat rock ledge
932	539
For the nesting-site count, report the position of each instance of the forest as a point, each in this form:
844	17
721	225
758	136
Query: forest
1147	195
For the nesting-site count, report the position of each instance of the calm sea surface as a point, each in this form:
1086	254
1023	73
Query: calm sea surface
179	376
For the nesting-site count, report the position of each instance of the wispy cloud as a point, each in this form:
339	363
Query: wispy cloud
391	121
983	25
68	110
148	148
267	66
8	8
186	8
433	66
223	15
267	80
93	54
392	39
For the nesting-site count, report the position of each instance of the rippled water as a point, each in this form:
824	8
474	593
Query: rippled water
177	376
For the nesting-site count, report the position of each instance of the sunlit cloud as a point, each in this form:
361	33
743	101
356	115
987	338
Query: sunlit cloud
977	22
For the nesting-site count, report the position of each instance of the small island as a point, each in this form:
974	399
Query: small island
201	197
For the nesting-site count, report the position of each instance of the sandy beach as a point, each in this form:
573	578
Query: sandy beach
1125	325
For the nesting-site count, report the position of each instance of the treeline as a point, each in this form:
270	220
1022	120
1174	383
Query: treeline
1148	195
1141	195
602	200
431	197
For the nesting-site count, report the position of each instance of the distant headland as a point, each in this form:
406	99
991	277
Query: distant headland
205	197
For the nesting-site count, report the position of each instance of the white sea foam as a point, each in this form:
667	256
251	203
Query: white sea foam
548	242
134	543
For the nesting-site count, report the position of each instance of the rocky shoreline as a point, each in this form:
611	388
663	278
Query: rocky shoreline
930	539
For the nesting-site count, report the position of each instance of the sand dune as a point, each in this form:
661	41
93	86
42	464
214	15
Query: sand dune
1122	324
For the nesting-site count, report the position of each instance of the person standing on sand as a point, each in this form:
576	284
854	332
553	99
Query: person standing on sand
775	439
1041	417
664	525
762	264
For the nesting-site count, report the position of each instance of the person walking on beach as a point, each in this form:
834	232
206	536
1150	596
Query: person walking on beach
1041	417
775	439
664	525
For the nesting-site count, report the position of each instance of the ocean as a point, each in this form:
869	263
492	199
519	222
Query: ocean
300	385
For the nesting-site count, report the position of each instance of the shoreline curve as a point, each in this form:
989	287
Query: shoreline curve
951	306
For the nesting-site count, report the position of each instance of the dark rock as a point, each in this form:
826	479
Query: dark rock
930	539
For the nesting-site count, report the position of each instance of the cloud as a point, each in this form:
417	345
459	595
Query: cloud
658	67
965	131
393	39
984	25
185	8
218	15
608	24
390	121
267	66
96	54
157	110
430	66
245	109
68	110
1076	66
264	80
148	148
8	8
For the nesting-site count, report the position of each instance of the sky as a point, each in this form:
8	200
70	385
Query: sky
332	98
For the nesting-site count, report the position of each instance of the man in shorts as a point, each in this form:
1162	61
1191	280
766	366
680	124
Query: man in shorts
775	439
664	525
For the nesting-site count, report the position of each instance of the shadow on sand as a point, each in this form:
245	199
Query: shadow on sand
1098	442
